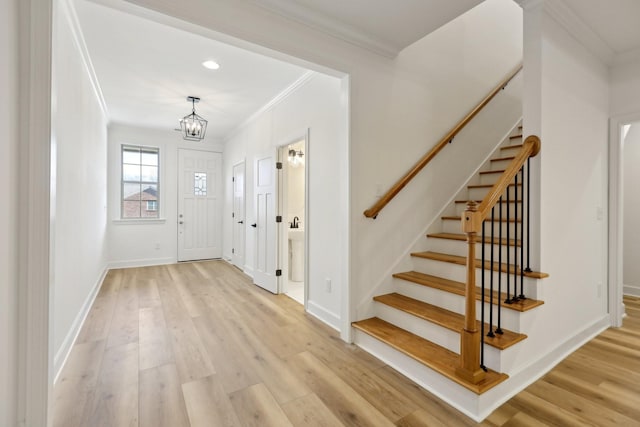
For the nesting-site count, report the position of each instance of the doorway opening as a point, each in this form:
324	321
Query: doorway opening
292	204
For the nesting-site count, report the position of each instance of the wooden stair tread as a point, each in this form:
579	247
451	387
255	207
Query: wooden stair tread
457	218
455	259
489	185
458	288
445	318
500	159
463	238
492	172
480	201
509	147
429	354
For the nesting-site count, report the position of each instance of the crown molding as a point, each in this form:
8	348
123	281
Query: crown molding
68	9
328	25
627	58
304	79
567	18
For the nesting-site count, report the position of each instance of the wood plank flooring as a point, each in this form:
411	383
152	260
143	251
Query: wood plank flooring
196	344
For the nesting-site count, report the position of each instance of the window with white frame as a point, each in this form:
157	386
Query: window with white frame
140	182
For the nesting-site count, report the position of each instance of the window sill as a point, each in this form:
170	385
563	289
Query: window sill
139	221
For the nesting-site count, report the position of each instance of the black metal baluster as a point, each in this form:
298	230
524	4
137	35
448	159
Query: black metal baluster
482	302
508	299
521	296
516	266
491	334
528	269
499	329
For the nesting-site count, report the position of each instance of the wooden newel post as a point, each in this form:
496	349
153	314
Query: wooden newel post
469	368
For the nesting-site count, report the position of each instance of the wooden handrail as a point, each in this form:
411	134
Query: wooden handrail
472	219
374	210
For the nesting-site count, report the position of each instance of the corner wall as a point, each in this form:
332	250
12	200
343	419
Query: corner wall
8	212
78	196
567	105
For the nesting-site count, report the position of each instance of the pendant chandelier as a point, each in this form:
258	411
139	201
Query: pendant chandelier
193	126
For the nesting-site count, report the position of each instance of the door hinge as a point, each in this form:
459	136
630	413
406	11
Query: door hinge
278	272
233	214
233	179
279	218
278	165
233	251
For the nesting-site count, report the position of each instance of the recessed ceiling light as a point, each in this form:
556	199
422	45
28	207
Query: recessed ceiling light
212	65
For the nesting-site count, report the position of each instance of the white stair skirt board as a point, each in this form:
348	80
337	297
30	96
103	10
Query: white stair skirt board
496	359
477	407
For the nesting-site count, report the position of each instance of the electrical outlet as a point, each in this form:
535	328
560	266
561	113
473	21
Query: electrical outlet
157	246
327	285
599	213
600	290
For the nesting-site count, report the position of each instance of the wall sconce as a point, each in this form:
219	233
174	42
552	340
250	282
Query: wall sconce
295	157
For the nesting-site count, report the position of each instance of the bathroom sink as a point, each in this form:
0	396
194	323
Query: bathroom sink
296	234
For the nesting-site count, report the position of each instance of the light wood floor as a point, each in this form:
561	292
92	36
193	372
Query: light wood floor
196	344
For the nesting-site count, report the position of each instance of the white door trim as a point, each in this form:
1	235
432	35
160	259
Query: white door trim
234	258
35	376
616	306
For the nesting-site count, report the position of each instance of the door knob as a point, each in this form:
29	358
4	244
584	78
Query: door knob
254	225
181	222
240	222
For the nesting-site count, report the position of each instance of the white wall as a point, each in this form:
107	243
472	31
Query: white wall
317	105
8	212
631	211
625	89
567	104
79	158
148	242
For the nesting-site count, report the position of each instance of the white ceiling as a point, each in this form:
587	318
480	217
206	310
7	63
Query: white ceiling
385	27
146	70
616	22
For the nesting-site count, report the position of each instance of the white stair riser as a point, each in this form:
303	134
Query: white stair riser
510	319
458	273
455	226
437	334
501	164
481	193
461	207
459	247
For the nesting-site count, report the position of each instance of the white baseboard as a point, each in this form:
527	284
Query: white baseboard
632	290
324	315
63	352
145	262
248	270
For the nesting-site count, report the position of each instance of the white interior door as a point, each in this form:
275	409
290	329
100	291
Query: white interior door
265	227
199	205
237	251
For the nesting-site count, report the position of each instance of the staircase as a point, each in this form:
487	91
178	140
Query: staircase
417	328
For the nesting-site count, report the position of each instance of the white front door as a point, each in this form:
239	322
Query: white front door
238	227
265	227
199	205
